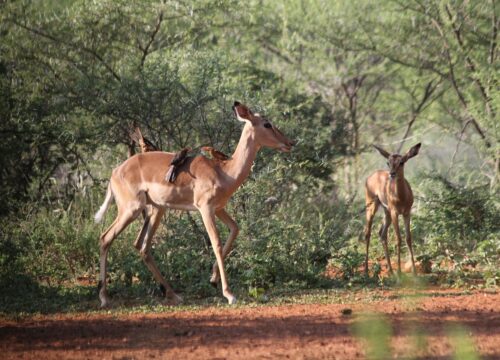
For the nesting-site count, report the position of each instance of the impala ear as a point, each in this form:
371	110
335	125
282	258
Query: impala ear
242	112
412	152
382	151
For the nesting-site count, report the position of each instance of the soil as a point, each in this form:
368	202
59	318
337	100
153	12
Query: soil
304	331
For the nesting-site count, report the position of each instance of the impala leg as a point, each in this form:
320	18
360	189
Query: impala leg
106	239
383	236
371	210
151	227
208	216
233	233
138	243
409	241
146	215
395	224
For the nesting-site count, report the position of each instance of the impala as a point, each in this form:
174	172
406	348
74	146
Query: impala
203	185
390	189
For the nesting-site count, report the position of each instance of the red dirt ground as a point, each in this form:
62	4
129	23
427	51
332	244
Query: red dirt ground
312	331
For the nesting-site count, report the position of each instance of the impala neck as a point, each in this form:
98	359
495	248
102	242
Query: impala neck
397	185
240	165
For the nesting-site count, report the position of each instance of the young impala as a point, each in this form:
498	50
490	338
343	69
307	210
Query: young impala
205	185
390	189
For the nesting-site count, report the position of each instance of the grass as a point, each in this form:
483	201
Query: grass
26	299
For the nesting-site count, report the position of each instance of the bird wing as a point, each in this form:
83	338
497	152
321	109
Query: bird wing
180	157
148	145
145	144
219	155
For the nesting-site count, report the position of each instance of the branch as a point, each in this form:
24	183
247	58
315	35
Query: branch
458	144
453	80
466	106
276	52
494	33
470	64
72	46
429	90
145	51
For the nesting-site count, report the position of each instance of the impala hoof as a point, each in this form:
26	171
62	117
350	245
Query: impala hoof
231	300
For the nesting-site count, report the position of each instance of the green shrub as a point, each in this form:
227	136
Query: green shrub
458	220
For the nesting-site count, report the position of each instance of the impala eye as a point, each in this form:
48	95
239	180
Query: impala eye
268	125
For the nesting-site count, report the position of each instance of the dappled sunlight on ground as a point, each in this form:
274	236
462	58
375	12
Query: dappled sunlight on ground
307	330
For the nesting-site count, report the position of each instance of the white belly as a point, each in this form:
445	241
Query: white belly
180	207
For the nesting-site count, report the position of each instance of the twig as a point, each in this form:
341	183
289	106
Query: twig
429	89
494	33
145	50
470	64
74	47
409	137
453	81
458	145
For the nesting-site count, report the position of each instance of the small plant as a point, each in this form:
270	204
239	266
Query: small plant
258	293
425	261
348	262
462	344
375	331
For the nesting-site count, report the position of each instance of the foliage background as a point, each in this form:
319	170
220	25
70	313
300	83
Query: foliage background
335	76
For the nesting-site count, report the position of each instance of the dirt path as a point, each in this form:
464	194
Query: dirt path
271	332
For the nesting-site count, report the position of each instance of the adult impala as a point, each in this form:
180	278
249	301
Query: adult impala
390	189
203	184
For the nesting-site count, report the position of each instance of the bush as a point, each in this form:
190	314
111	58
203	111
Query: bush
458	220
52	246
278	243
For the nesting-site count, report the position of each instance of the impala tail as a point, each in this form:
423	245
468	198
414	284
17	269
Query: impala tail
102	210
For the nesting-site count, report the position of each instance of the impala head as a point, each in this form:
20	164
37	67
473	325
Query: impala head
396	162
265	133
